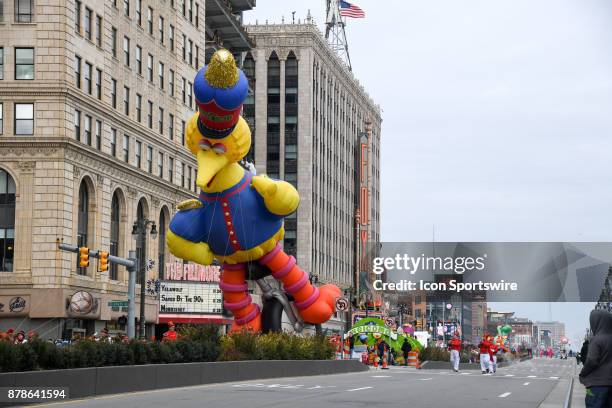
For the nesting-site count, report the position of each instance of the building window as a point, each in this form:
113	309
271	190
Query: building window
160	73
7	221
114	236
114	142
114	93
191	11
160	27
77	71
77	125
98	135
126	51
139	59
87	127
171	37
190	94
114	41
171	82
160	164
138	154
98	84
150	159
197	56
126	100
171	169
184	47
1	62
183	175
161	246
188	177
23	11
1	118
139	12
150	20
150	67
98	30
160	121
150	115
170	126
77	16
183	132
190	52
197	15
126	148
184	8
87	77
83	222
24	118
138	107
24	63
273	122
88	22
184	89
126	7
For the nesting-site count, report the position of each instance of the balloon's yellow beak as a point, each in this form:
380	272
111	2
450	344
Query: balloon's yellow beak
209	164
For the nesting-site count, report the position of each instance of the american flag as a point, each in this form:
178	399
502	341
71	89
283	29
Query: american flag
350	10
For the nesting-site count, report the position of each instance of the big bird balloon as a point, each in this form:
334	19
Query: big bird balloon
238	218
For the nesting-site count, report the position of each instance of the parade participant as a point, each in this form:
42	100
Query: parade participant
171	334
32	335
596	374
493	358
406	348
104	335
455	347
484	347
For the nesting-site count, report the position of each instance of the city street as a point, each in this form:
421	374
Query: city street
524	384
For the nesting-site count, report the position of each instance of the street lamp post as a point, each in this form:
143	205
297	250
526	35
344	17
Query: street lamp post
139	231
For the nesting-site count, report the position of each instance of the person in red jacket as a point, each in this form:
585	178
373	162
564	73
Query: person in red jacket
455	347
171	334
493	358
484	347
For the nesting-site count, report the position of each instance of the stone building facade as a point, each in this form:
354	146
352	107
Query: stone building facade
94	97
308	112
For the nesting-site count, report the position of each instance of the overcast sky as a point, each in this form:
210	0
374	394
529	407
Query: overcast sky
497	115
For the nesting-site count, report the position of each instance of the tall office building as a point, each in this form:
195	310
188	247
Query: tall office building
94	97
308	113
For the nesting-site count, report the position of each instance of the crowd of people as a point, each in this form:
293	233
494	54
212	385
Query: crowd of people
21	337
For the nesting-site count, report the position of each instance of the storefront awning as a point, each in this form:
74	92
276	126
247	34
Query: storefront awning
194	319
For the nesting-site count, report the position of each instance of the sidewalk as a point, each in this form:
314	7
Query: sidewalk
578	394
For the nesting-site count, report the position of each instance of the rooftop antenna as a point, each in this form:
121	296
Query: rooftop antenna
293	16
335	34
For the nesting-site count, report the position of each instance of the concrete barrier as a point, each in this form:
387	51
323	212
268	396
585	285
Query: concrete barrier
88	382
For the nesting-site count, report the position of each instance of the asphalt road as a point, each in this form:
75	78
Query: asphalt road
524	384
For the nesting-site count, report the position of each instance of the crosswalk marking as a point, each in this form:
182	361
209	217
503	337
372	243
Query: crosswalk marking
527	383
504	395
359	389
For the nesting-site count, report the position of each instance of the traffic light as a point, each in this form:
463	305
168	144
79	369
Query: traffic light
83	257
103	263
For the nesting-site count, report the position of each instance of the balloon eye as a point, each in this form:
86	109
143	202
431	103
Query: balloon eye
205	144
219	148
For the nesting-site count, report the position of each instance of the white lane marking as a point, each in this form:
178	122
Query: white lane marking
509	375
527	383
425	379
466	373
532	376
554	378
314	388
359	389
504	395
381	376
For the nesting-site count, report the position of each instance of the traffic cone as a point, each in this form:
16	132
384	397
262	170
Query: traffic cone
376	362
384	362
418	364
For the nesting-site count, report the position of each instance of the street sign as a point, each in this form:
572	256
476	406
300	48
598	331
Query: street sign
390	322
342	304
117	303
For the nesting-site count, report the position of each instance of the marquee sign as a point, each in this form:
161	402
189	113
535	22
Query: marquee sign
190	297
370	328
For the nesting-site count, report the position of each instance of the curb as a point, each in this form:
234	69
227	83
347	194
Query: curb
90	382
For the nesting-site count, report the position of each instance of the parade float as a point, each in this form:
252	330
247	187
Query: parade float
238	218
368	331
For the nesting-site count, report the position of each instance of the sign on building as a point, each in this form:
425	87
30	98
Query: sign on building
190	297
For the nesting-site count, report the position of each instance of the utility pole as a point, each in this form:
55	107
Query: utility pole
139	230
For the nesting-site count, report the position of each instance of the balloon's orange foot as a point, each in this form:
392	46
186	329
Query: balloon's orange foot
253	326
323	307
